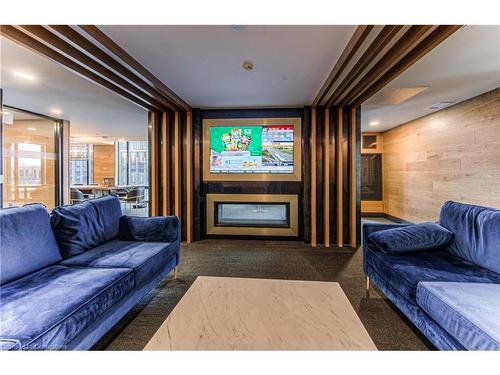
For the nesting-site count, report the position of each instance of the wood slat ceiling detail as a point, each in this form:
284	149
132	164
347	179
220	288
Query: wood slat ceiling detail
375	56
90	53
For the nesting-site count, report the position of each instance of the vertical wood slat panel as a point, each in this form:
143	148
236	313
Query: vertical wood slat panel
326	179
165	157
177	167
66	156
319	175
189	177
340	200
353	185
197	171
154	164
313	178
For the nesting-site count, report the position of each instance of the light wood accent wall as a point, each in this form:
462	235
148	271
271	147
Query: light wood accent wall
104	163
372	207
453	154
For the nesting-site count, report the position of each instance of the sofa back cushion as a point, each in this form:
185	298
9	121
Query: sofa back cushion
27	242
83	226
477	233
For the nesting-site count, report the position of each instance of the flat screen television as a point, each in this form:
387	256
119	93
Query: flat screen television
267	149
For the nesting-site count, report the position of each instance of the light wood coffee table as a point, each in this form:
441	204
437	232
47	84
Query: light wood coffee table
222	313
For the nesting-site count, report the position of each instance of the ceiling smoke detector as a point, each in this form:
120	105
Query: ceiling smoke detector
248	65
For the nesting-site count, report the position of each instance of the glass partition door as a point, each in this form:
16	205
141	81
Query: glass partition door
29	160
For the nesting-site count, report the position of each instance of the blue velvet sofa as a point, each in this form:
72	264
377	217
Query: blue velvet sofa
68	277
451	294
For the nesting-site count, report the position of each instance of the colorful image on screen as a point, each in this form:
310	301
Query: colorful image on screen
251	149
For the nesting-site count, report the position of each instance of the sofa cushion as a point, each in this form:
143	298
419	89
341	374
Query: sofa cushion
403	272
48	308
469	312
477	233
411	238
27	242
149	229
145	258
83	226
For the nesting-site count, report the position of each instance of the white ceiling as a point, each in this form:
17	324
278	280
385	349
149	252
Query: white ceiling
92	110
203	64
463	66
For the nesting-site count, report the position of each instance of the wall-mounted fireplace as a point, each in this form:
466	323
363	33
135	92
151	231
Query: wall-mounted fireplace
252	214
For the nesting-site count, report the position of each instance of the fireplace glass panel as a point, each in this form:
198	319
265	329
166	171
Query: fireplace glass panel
252	214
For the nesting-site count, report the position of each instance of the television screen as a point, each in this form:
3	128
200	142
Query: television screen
251	149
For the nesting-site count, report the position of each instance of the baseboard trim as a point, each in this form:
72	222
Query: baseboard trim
387	216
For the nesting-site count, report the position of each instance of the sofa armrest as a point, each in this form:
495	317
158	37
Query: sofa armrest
150	229
369	228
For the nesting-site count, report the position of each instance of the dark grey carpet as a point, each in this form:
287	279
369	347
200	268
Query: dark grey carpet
273	260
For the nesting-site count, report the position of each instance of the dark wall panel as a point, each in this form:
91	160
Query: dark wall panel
247	187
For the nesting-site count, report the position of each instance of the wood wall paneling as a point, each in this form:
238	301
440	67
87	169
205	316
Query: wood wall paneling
198	197
177	166
320	156
165	163
453	154
154	140
189	177
65	162
357	111
104	163
313	178
372	207
305	207
340	178
326	178
353	178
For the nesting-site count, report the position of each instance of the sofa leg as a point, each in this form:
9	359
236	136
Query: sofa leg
367	283
175	272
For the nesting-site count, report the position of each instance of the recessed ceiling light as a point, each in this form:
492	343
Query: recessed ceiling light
31	129
247	65
24	75
374	123
55	111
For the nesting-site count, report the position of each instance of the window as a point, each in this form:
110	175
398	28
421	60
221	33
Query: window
81	164
133	163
